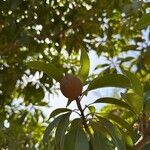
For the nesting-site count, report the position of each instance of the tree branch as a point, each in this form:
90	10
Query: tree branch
143	140
83	116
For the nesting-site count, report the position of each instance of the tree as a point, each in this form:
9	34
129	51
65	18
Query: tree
51	35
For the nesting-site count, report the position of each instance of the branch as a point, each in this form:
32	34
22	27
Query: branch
143	140
83	116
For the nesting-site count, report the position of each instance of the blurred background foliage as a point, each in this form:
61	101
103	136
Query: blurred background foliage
55	31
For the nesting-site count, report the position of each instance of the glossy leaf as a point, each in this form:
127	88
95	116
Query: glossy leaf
60	131
135	101
120	122
144	21
59	111
85	65
115	101
109	80
76	139
92	109
114	132
98	140
135	82
50	127
47	68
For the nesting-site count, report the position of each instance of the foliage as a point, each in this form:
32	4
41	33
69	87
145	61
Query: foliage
49	36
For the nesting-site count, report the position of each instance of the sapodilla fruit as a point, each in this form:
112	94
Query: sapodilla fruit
71	86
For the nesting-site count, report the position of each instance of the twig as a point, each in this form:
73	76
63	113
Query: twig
83	116
143	140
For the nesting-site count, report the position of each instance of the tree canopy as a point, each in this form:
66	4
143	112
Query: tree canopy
40	41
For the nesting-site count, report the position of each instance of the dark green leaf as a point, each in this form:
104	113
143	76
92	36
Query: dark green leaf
147	101
47	68
50	127
135	101
101	66
114	132
60	131
127	59
85	65
115	101
120	122
69	101
98	141
59	111
146	97
129	47
109	80
92	109
76	139
144	21
135	82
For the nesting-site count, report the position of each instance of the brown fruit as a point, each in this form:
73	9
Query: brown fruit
71	86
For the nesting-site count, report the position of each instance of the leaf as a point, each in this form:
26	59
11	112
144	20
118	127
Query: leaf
85	65
111	100
69	101
144	21
92	109
147	101
75	123
101	66
120	122
114	132
50	127
58	111
76	139
126	59
98	140
110	80
15	4
135	101
129	47
60	131
135	82
47	68
146	97
147	107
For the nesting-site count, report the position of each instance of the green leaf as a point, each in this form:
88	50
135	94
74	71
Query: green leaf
147	107
98	141
85	65
135	101
147	101
101	66
129	47
114	132
110	80
120	122
50	127
60	131
75	123
92	109
126	59
144	21
76	139
111	100
15	4
59	111
47	68
135	82
69	101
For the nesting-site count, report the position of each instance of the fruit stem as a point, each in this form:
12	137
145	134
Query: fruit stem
83	116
